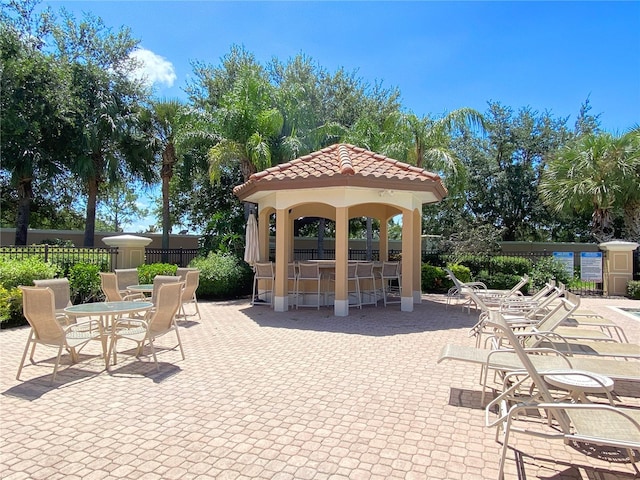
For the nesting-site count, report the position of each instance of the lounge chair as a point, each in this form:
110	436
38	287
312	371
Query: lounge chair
505	360
599	424
491	296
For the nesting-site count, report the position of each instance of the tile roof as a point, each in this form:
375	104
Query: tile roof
342	165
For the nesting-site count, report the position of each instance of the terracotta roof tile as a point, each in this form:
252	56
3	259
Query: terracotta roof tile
341	164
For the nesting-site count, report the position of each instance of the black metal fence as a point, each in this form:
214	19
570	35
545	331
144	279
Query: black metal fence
106	257
64	257
176	256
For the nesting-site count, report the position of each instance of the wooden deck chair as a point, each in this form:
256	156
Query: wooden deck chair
38	304
158	322
598	424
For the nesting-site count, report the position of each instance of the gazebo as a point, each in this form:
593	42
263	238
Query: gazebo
339	183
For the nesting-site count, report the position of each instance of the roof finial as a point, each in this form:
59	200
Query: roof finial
346	167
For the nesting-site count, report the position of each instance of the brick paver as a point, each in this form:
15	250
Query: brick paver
265	395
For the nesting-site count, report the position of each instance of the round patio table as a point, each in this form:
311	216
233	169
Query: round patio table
107	310
146	288
578	384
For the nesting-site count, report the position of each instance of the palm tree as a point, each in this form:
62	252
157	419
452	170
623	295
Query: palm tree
162	122
597	174
431	142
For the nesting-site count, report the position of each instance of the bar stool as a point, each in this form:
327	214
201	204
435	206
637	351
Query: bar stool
264	273
292	279
391	281
308	272
364	271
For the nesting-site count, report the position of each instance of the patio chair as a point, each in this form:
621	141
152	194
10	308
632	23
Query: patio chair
598	424
160	280
157	322
191	281
292	279
391	281
459	286
264	275
182	272
38	304
367	283
308	272
62	295
505	360
126	277
109	286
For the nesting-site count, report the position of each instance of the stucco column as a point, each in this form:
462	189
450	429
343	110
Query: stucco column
130	249
406	295
263	235
283	239
417	256
341	301
383	242
618	266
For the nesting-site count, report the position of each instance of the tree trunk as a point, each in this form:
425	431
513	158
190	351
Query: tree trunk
25	195
92	200
168	161
632	222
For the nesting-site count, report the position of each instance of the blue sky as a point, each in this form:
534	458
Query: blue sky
549	56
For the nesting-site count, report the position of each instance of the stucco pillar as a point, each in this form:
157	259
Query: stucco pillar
263	235
406	295
130	249
618	266
283	239
341	301
417	256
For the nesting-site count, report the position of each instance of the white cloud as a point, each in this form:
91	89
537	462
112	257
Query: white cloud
154	68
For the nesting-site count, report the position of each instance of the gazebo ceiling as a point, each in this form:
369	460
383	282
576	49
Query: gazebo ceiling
343	165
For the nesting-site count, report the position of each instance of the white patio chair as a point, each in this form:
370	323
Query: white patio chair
158	322
38	304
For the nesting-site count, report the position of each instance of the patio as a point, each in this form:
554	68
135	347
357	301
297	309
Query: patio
277	395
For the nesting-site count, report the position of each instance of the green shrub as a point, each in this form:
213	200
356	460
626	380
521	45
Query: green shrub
548	268
633	289
433	279
147	272
24	271
84	282
517	266
222	275
461	272
502	281
11	307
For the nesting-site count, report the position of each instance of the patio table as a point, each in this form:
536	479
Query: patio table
146	288
107	310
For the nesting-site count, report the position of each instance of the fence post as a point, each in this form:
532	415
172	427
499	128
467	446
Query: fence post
46	252
618	266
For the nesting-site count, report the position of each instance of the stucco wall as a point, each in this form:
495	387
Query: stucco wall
34	237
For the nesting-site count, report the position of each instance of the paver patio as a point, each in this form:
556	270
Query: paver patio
266	395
